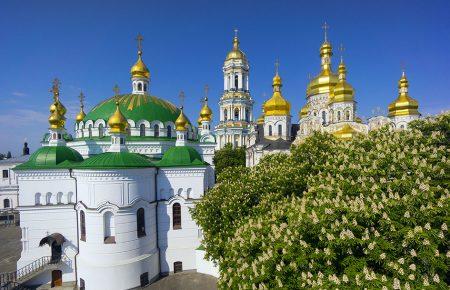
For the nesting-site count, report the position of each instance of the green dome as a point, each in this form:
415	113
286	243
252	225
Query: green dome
110	160
181	156
51	157
136	107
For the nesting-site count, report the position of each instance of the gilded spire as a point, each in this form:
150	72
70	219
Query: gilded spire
80	116
277	105
57	117
205	112
139	69
235	53
181	121
342	91
117	122
404	105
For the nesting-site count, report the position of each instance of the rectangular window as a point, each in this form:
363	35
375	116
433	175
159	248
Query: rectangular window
5	173
144	279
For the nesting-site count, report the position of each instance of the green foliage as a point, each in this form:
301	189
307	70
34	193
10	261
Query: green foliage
367	213
228	157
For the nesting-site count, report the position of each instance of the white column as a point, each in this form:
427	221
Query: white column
240	82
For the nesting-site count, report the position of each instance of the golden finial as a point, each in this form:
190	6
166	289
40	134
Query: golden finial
116	91
81	114
139	40
235	40
341	50
117	122
277	65
276	79
206	92
55	89
325	28
205	112
181	121
181	96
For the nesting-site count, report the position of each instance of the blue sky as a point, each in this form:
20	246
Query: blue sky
90	45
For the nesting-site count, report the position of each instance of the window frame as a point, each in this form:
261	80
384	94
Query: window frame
176	216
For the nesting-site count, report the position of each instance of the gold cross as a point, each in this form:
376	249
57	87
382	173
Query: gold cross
342	49
277	65
55	89
325	28
236	32
206	92
81	97
181	96
139	40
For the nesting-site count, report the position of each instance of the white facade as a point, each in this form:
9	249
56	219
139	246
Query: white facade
9	189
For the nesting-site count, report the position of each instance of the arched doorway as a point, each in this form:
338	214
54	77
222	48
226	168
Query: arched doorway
55	242
56	278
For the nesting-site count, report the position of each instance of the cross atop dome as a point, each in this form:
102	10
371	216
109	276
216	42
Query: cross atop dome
139	40
325	27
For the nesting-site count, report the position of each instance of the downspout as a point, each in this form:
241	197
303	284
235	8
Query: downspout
156	214
78	227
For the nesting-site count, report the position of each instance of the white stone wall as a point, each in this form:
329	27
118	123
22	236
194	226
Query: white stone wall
9	189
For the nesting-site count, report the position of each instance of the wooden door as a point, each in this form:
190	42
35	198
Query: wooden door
56	278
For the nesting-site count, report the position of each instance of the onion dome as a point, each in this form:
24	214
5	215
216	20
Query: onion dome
304	111
56	120
57	117
51	157
181	122
346	132
199	120
206	113
326	80
180	156
236	53
277	105
139	69
404	105
117	122
342	91
80	116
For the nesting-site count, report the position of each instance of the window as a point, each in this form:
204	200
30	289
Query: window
6	203
324	117
82	226
280	130
140	222
247	115
109	228
100	130
270	130
236	82
236	114
82	284
59	197
5	173
142	130
347	115
156	130
139	87
48	198
144	279
177	267
90	131
339	116
225	114
176	213
145	87
169	131
37	199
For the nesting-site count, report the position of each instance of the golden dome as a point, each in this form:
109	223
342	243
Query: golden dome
199	120
326	80
260	120
277	105
80	116
346	132
181	121
342	91
56	120
404	105
57	117
304	111
139	69
205	112
117	122
236	53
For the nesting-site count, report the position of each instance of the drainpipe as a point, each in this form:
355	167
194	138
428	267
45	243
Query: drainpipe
78	227
156	214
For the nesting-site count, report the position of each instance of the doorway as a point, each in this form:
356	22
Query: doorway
56	253
56	278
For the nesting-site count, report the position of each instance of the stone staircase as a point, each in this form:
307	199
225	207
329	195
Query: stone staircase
16	280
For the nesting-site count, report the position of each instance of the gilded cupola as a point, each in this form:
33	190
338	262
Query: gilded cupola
342	91
181	122
304	111
404	105
206	112
139	69
236	53
117	122
260	120
277	105
80	116
57	117
326	79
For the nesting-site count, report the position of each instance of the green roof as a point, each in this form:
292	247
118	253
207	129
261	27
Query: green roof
51	157
181	156
136	107
113	160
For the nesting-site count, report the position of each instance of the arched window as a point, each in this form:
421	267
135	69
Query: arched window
37	199
82	226
59	198
280	130
140	222
229	82
100	130
236	114
270	130
145	87
169	131
225	114
48	198
324	117
347	115
236	82
156	130
339	115
6	203
247	115
109	230
176	215
142	130
177	267
90	131
139	87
